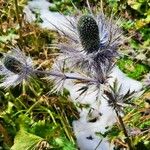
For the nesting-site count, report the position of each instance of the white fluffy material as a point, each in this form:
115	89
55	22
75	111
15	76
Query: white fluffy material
51	20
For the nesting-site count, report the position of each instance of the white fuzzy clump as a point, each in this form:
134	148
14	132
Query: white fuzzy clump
50	19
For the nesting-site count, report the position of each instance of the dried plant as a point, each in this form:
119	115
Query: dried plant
147	80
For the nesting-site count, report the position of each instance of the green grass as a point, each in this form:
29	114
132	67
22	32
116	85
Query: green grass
133	69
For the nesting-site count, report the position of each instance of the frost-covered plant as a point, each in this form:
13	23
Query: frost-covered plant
91	50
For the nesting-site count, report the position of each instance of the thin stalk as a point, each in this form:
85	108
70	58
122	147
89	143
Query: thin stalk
50	113
62	120
29	110
98	144
32	89
64	76
124	130
71	138
18	19
24	87
18	112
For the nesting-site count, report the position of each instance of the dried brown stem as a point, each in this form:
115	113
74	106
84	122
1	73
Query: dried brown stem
124	131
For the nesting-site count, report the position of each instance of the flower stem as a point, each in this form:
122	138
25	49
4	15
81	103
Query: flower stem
64	76
124	130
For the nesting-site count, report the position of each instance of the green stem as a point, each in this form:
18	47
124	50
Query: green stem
29	110
24	87
50	113
124	131
18	19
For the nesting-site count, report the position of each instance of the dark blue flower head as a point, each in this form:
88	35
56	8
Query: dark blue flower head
15	67
88	33
91	37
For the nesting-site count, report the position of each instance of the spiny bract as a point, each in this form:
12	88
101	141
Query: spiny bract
13	64
92	40
15	67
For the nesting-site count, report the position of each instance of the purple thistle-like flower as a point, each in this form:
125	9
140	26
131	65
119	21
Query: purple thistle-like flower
92	43
15	67
91	37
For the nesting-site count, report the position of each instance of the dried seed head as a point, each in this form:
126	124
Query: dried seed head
89	33
13	64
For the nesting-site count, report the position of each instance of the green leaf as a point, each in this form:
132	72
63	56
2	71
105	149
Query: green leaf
25	141
136	6
64	144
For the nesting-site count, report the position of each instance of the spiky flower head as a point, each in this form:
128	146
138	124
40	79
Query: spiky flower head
15	67
115	98
91	39
88	33
12	64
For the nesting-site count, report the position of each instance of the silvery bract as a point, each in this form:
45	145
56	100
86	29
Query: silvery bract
91	39
15	67
91	45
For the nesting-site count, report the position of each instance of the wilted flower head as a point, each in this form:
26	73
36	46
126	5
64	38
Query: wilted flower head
15	67
115	98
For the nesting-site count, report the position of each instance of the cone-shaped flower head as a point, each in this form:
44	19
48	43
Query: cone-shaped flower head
13	64
15	67
88	33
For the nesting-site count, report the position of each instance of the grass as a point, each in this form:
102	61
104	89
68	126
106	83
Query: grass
132	68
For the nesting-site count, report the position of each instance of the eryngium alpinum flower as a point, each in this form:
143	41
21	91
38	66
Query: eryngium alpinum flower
91	47
90	39
15	67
